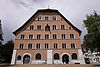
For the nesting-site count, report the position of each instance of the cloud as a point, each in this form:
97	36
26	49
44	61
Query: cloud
15	13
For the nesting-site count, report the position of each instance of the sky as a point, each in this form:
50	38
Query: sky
14	13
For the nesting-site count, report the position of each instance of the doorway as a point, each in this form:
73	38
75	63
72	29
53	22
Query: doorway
26	59
65	58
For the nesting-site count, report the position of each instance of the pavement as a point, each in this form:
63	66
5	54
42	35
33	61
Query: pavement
52	65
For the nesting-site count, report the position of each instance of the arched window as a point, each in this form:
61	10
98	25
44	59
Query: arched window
74	56
56	56
18	57
38	56
47	28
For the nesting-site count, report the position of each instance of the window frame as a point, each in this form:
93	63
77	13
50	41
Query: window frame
57	57
62	27
30	36
46	46
63	36
21	46
54	27
54	18
22	36
55	46
47	36
64	46
19	57
39	18
73	47
39	58
38	46
46	18
30	46
72	37
39	27
38	36
54	36
31	27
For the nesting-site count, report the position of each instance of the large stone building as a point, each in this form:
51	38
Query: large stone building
47	38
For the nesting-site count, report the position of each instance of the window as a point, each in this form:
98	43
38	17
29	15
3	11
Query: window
54	27
54	36
30	36
71	36
21	46
72	45
63	36
54	18
46	18
74	56
29	46
70	27
46	36
55	46
39	18
46	45
31	27
56	56
22	36
64	45
38	46
61	19
62	26
18	57
38	27
38	36
38	56
47	28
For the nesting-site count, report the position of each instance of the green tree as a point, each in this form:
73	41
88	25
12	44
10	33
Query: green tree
7	50
92	39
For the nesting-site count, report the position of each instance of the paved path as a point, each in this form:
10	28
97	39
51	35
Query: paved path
52	65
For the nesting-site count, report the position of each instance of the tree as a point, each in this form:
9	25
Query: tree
7	50
92	39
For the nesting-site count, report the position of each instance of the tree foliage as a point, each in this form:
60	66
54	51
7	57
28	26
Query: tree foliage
92	39
7	50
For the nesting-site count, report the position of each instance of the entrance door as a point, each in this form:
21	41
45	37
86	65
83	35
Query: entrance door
26	59
65	58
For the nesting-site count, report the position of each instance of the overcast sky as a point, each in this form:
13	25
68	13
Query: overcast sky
14	13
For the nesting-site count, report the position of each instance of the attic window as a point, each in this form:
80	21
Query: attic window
70	27
46	18
61	19
54	18
47	28
39	18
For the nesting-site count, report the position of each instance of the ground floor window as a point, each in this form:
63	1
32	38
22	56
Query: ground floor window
74	56
18	57
38	56
56	56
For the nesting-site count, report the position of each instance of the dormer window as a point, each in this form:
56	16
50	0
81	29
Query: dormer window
39	18
54	18
47	28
